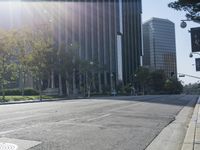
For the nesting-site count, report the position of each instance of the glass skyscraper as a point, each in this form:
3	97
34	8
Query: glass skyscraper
107	32
160	45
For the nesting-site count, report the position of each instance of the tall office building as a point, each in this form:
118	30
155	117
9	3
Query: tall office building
160	45
107	32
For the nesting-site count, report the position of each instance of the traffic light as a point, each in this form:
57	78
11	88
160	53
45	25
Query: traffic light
197	61
195	39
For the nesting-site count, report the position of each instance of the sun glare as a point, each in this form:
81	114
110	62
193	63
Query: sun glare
19	14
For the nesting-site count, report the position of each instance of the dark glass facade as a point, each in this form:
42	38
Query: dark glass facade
131	38
107	32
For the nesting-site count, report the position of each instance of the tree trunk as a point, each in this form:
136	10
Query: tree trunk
67	88
49	81
3	92
20	80
23	84
89	80
86	84
74	82
60	85
80	85
99	83
93	82
52	79
67	85
40	89
111	83
3	81
88	91
143	89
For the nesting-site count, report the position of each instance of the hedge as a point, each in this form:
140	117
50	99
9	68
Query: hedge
27	92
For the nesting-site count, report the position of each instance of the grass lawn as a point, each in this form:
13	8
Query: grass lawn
21	98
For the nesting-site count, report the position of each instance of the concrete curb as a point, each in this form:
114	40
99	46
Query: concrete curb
38	101
56	99
63	99
192	137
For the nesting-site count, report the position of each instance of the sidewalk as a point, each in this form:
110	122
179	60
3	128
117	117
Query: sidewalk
192	138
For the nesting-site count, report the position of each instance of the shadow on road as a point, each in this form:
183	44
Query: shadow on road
180	100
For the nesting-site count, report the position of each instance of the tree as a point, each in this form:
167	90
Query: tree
22	44
52	64
38	60
71	66
191	7
173	86
69	62
192	89
7	60
88	69
142	77
157	80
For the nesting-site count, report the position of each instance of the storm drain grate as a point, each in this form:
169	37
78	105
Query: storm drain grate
8	146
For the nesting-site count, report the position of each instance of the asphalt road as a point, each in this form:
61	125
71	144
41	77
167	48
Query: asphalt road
120	123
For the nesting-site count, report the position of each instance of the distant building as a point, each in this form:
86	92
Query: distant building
160	45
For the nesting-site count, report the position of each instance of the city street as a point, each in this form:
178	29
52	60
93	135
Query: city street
117	123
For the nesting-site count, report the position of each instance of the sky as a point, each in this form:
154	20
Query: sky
185	64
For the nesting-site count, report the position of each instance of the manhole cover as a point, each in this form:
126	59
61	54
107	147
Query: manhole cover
8	146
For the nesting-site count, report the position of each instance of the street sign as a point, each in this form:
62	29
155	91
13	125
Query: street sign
197	60
195	39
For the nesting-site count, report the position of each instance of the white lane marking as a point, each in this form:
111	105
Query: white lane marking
133	104
18	118
8	146
122	107
81	124
14	130
99	117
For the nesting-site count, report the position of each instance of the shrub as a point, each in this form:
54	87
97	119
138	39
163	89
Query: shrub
12	92
27	92
30	92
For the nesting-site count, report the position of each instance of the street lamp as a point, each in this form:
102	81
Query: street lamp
183	24
194	19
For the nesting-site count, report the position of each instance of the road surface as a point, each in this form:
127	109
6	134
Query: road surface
117	123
